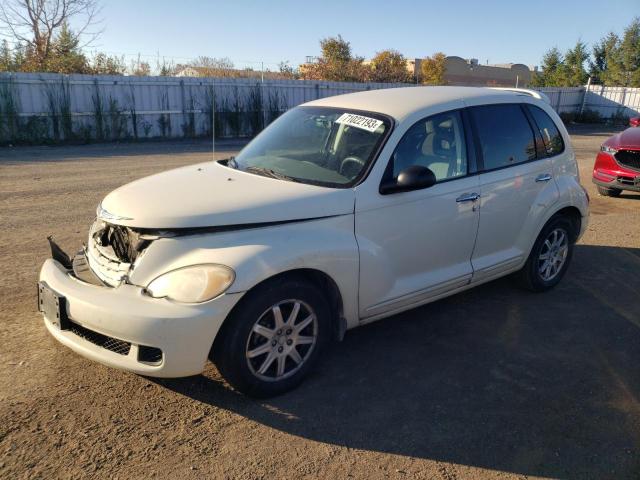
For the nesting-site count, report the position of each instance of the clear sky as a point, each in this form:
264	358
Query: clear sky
272	31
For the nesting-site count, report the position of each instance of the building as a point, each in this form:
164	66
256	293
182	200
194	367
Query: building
460	71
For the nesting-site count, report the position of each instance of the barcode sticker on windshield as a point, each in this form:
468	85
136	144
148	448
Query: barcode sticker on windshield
359	121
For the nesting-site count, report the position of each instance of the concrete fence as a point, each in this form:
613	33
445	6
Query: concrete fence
51	108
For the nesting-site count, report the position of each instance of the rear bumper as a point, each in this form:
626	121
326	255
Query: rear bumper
183	332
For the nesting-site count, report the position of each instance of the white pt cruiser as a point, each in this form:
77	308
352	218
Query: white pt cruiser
344	211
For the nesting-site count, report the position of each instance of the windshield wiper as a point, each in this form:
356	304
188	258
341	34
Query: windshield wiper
268	172
231	162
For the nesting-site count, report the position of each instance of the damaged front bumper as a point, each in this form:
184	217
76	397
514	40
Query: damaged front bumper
124	328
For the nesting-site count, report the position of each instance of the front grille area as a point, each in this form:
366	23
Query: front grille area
628	158
102	260
113	344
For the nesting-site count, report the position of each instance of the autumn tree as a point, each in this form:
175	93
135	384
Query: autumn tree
35	24
337	63
433	69
389	66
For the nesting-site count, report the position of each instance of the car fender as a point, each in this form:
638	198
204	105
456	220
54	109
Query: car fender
327	245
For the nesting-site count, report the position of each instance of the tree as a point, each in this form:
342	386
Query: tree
35	23
630	54
553	72
102	64
574	61
606	66
287	71
337	63
433	68
140	68
6	58
335	50
66	56
389	66
213	67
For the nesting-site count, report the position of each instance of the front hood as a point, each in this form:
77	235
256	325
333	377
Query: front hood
210	195
627	139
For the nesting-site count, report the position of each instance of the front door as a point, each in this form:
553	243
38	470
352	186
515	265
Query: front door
417	245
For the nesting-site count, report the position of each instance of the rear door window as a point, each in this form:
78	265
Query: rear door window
505	135
550	134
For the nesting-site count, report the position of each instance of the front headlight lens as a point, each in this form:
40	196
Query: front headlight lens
194	284
610	150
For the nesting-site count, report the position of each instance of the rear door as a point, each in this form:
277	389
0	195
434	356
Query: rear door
516	184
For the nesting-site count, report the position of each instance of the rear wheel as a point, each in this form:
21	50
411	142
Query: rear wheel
550	255
274	338
609	192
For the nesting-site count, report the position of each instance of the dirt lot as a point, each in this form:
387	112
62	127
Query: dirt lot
492	383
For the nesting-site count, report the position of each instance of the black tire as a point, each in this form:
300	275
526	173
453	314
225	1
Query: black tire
530	276
609	192
233	341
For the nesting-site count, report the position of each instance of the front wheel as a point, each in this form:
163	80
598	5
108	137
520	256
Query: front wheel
550	256
274	338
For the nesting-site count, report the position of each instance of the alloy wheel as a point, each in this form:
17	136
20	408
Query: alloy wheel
281	340
553	254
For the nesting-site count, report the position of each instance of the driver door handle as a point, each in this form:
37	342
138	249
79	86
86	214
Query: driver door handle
468	197
543	177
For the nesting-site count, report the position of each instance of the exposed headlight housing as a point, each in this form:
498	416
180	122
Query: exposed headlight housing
605	149
193	284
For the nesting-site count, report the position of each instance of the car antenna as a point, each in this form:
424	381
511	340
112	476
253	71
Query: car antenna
213	122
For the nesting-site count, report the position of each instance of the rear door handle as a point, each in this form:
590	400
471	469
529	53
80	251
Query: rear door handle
468	197
543	177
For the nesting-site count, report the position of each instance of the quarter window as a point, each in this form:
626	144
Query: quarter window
550	135
437	143
505	135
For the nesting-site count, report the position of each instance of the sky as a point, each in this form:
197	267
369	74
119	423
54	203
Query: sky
250	32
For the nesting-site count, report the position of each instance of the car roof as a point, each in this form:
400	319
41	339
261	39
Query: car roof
403	101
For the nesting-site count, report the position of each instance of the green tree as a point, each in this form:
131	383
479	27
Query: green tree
606	66
389	66
552	72
6	57
433	68
574	60
630	54
66	56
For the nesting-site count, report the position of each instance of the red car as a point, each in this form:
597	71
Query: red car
634	122
617	165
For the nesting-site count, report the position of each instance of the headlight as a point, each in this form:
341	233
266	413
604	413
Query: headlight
610	150
194	284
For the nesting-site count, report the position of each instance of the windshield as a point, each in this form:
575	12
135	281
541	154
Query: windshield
316	145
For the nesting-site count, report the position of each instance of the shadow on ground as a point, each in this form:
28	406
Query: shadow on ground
499	378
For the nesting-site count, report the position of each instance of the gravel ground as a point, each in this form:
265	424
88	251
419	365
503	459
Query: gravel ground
492	383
